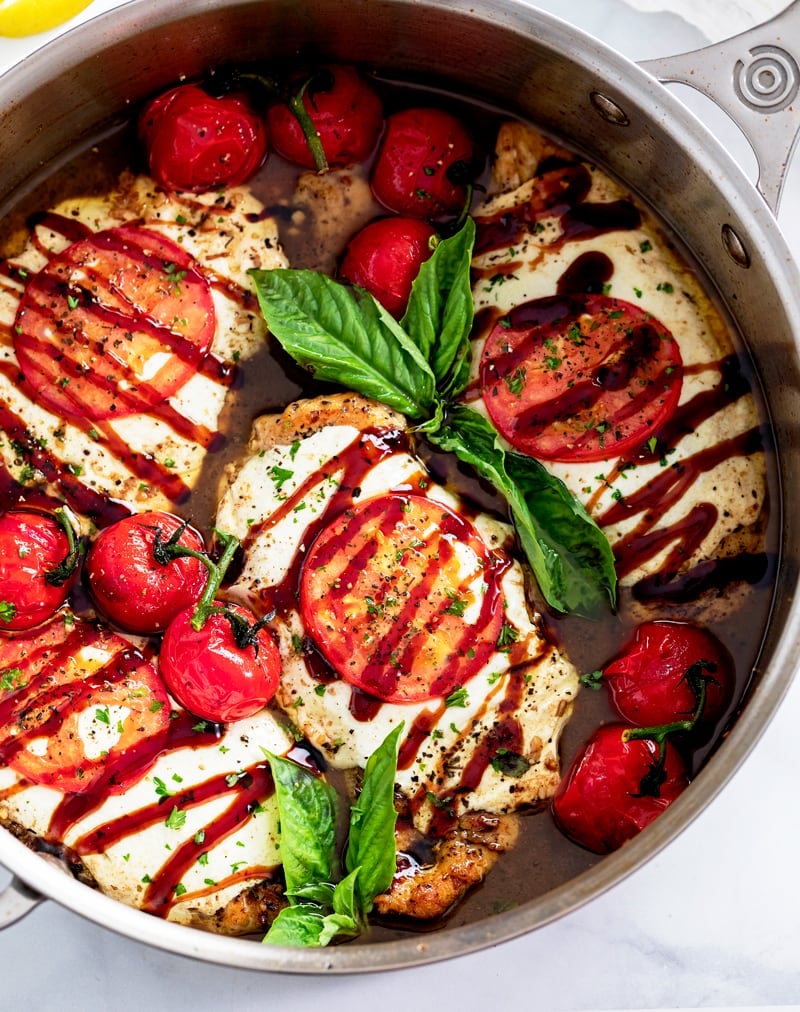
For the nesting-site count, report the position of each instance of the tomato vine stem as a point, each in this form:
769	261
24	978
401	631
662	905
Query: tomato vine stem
59	575
697	676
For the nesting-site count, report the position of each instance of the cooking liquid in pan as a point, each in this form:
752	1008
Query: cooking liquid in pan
543	858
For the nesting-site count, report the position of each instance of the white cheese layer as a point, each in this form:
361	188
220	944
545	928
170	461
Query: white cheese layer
649	274
227	235
125	868
531	685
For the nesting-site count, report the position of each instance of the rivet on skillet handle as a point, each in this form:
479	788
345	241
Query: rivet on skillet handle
755	78
16	900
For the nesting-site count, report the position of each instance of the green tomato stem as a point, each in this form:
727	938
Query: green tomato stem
661	732
64	570
297	106
216	574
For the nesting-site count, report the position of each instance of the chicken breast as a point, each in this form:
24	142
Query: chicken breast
692	491
491	743
68	434
154	807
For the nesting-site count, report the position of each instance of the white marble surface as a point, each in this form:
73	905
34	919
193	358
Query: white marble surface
712	922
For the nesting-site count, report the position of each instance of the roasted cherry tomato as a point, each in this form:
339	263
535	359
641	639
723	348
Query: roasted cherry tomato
77	705
579	377
210	673
37	568
196	141
615	788
385	258
402	598
654	679
424	162
343	109
114	324
133	579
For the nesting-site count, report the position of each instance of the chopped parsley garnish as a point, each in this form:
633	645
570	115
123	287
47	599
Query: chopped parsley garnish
7	611
458	697
11	678
508	635
176	819
592	679
280	475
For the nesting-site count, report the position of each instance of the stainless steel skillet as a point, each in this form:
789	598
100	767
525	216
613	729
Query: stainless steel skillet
523	60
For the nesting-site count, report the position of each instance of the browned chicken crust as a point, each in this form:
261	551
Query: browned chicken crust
460	861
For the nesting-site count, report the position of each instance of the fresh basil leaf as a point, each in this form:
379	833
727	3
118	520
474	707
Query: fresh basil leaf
568	553
307	812
342	335
315	892
345	898
584	573
298	925
440	310
371	844
336	925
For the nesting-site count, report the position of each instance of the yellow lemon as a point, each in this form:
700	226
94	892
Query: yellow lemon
27	17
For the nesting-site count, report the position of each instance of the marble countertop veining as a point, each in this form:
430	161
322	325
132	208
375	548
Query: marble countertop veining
711	922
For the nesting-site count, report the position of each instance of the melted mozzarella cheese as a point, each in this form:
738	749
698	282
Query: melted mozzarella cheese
647	273
456	761
218	872
228	235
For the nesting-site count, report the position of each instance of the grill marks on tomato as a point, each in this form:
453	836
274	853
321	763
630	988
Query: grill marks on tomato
580	377
403	598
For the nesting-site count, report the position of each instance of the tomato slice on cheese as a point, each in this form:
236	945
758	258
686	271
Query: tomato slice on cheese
114	324
579	377
79	705
401	596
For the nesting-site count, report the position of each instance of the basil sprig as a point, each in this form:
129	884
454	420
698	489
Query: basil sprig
342	335
320	909
572	568
419	367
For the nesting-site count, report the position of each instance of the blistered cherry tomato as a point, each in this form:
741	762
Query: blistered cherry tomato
36	568
128	583
345	111
402	598
615	788
651	681
385	258
579	377
425	159
114	324
196	141
210	674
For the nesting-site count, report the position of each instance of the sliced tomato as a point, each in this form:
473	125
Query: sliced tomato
113	325
580	377
402	598
76	702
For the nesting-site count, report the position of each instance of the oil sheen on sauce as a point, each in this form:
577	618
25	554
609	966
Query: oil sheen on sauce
273	381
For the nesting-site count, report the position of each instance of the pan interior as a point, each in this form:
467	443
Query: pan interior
61	101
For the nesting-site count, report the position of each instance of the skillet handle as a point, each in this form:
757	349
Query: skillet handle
16	900
755	78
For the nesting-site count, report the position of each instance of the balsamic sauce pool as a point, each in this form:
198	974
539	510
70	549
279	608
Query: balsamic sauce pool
543	858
